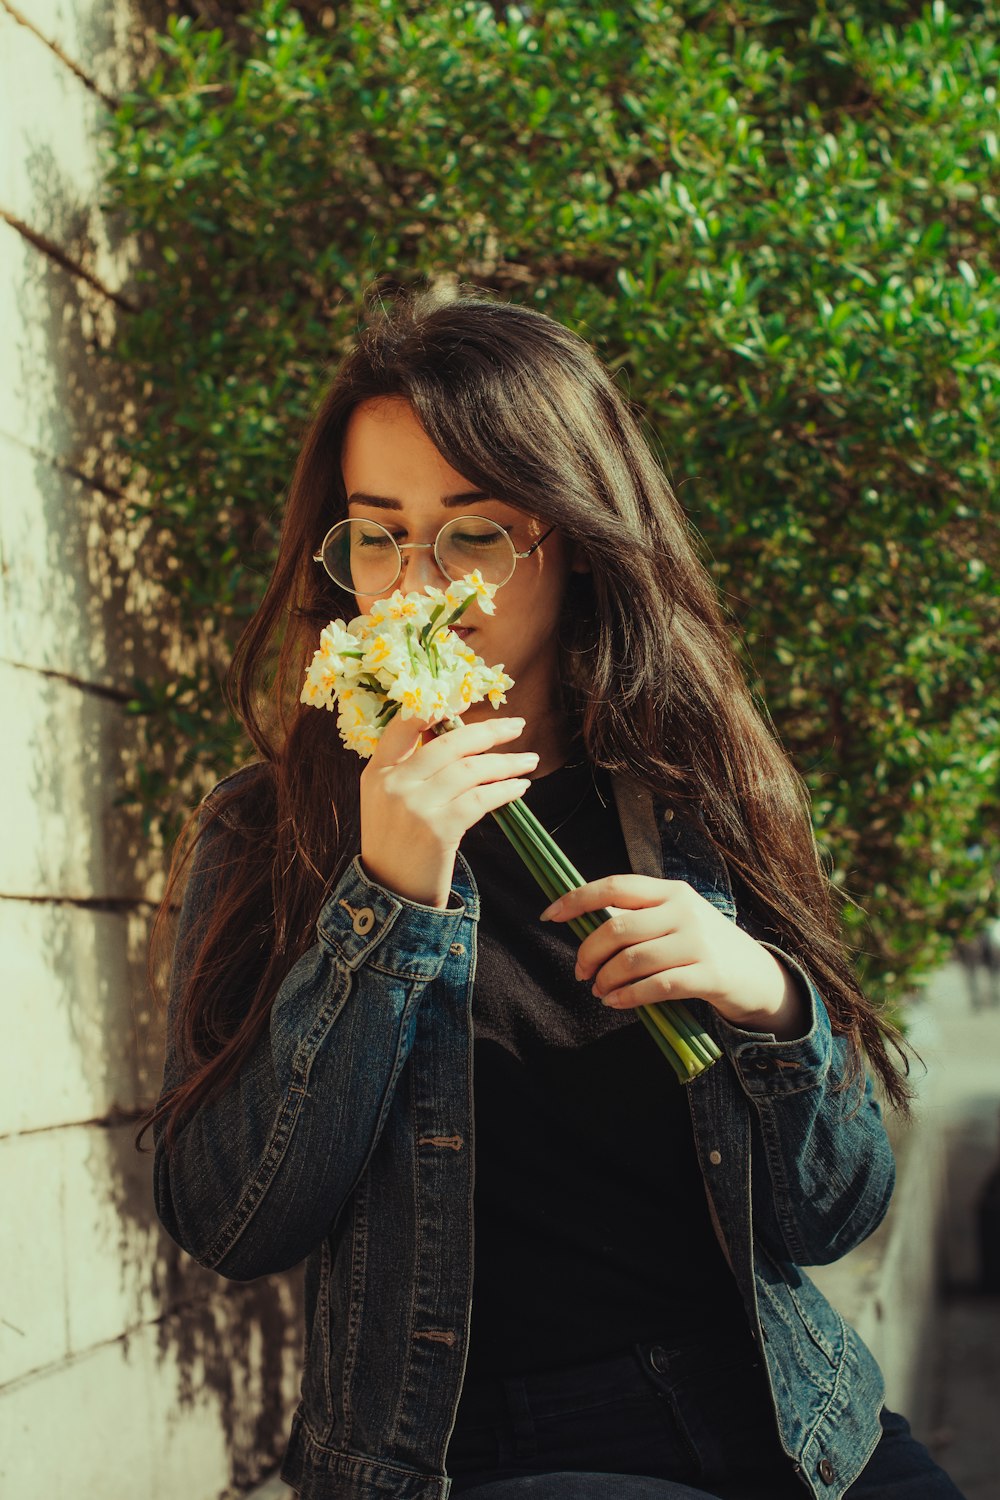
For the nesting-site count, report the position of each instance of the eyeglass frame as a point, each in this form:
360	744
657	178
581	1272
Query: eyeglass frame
409	546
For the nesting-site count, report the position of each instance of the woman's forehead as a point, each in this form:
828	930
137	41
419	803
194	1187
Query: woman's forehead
386	447
389	463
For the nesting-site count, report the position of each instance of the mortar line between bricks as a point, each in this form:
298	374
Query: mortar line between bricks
58	255
92	481
114	1120
57	51
75	1356
113	905
98	689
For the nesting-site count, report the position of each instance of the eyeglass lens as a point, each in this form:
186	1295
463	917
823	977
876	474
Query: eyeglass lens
363	556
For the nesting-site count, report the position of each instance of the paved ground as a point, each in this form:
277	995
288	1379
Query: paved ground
963	1046
966	1438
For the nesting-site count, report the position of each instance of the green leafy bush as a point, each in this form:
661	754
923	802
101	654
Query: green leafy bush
779	224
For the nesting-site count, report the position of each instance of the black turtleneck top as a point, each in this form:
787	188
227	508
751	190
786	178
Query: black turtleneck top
591	1223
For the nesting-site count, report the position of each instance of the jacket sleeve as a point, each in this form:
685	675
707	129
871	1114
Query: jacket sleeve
822	1169
255	1177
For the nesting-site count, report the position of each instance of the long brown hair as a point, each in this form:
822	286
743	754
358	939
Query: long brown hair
523	409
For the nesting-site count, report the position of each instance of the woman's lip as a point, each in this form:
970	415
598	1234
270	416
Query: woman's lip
463	630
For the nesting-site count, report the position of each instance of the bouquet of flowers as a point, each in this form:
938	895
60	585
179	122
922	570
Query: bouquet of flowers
403	657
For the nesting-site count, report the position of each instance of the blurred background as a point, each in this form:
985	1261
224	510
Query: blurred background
779	224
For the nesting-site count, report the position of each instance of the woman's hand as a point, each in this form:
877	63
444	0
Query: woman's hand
417	800
669	943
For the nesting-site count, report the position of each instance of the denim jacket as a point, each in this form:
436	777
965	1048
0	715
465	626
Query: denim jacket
347	1141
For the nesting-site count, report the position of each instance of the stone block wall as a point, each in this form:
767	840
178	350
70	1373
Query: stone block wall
125	1369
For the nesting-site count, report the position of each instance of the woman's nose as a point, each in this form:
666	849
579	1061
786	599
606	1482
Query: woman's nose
420	567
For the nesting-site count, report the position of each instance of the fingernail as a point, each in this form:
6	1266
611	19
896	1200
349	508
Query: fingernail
554	910
578	972
611	998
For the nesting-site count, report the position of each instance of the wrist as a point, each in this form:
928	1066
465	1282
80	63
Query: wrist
422	893
787	1017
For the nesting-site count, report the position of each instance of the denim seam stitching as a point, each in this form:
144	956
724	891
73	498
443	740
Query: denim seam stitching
411	1308
282	1132
359	1265
248	1204
361	1459
323	1312
781	1194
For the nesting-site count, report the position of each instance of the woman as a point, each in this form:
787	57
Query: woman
379	1060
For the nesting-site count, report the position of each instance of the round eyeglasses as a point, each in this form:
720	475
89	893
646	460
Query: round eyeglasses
364	558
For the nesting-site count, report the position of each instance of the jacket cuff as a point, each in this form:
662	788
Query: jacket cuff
363	919
768	1066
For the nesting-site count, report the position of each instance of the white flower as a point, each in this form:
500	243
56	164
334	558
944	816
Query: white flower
335	638
385	656
419	695
472	586
395	654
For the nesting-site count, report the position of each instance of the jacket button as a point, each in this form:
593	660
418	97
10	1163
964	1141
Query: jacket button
658	1359
457	948
668	815
364	920
825	1471
715	1157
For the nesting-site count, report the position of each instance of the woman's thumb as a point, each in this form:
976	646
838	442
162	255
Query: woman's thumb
400	738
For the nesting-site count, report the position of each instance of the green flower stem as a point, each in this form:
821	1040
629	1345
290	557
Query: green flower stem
677	1017
530	856
587	922
541	836
688	1047
434	625
693	1058
697	1039
677	1026
685	1044
665	1047
431	625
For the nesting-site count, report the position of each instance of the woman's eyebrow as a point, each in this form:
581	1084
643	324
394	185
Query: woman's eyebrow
383	502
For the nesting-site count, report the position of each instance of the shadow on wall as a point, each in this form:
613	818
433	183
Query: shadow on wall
85	615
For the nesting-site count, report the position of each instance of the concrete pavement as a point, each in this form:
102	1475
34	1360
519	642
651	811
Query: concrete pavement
962	1099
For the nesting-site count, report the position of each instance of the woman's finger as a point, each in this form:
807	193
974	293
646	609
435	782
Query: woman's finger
685	983
398	740
443	749
625	931
454	780
630	891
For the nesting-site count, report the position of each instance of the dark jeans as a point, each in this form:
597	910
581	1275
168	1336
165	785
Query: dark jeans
655	1424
